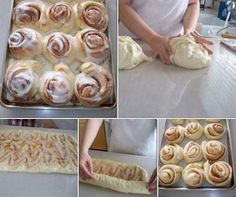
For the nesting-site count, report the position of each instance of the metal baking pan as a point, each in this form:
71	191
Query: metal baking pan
226	139
112	63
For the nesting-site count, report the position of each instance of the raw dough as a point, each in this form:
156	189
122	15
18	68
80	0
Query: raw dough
37	152
188	54
130	53
120	177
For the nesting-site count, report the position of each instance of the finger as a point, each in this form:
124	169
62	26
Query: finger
90	168
152	190
210	52
85	172
201	40
153	177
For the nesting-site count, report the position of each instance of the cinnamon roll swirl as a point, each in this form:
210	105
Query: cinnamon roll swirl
21	79
56	87
177	121
213	150
93	85
92	14
214	131
174	134
194	130
192	152
171	154
25	43
59	47
218	174
93	46
169	174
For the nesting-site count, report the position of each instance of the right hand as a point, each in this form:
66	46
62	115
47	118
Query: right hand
86	166
161	48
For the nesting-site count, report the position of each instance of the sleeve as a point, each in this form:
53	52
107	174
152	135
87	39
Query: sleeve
192	1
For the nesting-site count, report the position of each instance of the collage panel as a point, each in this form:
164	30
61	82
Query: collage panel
117	157
197	157
38	157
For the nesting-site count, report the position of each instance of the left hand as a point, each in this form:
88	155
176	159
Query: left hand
152	184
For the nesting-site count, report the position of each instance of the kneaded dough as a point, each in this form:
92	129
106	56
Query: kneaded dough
37	152
188	54
120	177
130	53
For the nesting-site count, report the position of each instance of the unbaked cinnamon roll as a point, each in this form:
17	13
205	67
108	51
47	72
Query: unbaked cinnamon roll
213	150
214	131
177	121
174	134
92	14
93	85
25	43
56	87
192	152
169	174
27	14
194	130
93	46
59	47
193	175
22	80
218	174
171	154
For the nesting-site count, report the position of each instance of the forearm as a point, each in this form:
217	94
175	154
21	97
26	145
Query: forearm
90	132
134	22
191	17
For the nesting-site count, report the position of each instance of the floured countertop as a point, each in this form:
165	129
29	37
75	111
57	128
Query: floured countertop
156	90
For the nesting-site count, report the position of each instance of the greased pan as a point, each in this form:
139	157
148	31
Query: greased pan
111	6
226	139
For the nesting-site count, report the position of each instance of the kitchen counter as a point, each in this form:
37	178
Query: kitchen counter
45	113
156	90
148	163
199	193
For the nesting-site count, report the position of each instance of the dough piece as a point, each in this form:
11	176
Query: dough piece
214	120
188	54
169	174
218	174
171	154
194	130
120	177
177	121
38	152
193	175
130	53
192	152
214	131
213	150
174	134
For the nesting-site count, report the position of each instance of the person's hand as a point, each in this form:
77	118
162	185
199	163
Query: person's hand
161	48
152	184
86	166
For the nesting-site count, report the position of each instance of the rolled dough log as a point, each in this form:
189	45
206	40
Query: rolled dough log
120	177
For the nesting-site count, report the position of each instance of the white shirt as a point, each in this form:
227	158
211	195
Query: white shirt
132	136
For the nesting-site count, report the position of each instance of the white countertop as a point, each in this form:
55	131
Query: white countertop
148	163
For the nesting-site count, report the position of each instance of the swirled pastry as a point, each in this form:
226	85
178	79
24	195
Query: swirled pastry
171	154
93	46
214	131
60	16
194	130
192	152
174	134
213	150
177	121
56	87
169	174
218	173
118	176
37	151
59	47
193	175
25	43
93	85
92	14
27	14
21	79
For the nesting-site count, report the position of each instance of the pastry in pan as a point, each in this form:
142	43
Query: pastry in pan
118	176
177	121
192	152
194	130
38	152
171	154
174	134
214	131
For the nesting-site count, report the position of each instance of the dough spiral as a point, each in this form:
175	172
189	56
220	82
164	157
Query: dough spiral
171	154
169	174
214	131
194	130
174	134
192	152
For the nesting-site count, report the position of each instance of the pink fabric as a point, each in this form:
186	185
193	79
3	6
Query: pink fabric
192	1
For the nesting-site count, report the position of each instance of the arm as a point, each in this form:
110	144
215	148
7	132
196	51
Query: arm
136	25
90	132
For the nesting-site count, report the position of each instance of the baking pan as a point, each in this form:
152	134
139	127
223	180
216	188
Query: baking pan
226	139
111	64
